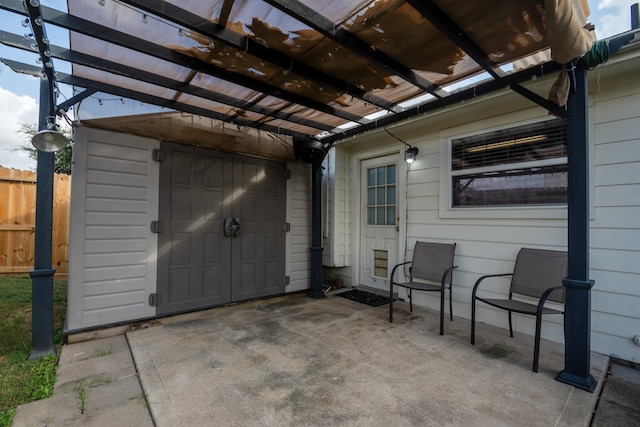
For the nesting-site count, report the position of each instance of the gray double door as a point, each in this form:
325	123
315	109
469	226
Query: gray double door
222	228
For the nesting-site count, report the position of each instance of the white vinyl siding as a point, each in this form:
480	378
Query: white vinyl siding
298	240
337	237
615	228
112	253
485	245
489	238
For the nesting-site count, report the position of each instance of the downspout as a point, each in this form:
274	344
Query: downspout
42	273
310	150
316	249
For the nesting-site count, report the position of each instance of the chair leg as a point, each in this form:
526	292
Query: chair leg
441	313
450	305
510	325
536	346
473	321
410	301
391	302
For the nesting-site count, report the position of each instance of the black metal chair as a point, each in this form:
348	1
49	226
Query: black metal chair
538	274
431	262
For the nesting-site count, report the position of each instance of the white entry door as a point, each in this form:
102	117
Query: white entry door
378	220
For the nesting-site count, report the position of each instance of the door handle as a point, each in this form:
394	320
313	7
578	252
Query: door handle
226	228
231	227
235	227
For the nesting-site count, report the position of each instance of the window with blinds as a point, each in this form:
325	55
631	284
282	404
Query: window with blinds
523	165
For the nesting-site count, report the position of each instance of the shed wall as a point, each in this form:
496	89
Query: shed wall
112	252
299	216
113	265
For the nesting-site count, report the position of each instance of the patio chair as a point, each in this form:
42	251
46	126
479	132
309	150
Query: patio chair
537	274
432	262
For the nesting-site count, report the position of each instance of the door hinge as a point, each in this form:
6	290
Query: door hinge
287	227
156	227
157	155
154	299
287	280
287	174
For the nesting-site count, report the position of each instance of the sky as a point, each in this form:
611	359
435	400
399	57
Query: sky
19	93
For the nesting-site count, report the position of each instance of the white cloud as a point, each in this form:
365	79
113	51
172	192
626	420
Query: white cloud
611	17
15	110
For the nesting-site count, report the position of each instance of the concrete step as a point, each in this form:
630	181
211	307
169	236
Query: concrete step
97	385
619	403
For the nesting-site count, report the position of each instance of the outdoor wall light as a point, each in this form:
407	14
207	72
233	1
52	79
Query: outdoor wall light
411	154
49	140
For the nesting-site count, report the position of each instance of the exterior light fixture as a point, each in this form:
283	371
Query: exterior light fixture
411	154
310	150
49	140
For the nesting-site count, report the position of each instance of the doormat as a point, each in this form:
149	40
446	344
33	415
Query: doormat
364	297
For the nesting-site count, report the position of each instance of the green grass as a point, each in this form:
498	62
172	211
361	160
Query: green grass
23	381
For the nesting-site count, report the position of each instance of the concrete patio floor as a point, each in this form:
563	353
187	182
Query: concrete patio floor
331	361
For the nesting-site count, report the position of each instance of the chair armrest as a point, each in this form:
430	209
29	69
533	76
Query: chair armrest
447	273
393	272
481	279
545	295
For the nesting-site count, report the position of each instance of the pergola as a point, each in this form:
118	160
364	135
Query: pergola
317	72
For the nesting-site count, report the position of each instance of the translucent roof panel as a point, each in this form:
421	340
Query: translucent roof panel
513	30
222	87
294	127
128	20
246	12
122	82
209	10
104	105
306	67
336	10
314	115
426	49
115	53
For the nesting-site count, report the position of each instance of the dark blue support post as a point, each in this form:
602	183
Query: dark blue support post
42	273
577	320
316	231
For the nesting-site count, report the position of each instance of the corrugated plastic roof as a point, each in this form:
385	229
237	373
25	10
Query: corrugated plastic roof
319	68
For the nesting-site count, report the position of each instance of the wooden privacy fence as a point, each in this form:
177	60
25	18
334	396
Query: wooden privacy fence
18	217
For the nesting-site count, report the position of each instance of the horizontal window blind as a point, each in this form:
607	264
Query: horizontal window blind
523	165
532	142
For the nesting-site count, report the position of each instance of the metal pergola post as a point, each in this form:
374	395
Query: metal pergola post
577	321
316	249
42	273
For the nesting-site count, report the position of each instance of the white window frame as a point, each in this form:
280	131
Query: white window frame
491	212
376	206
